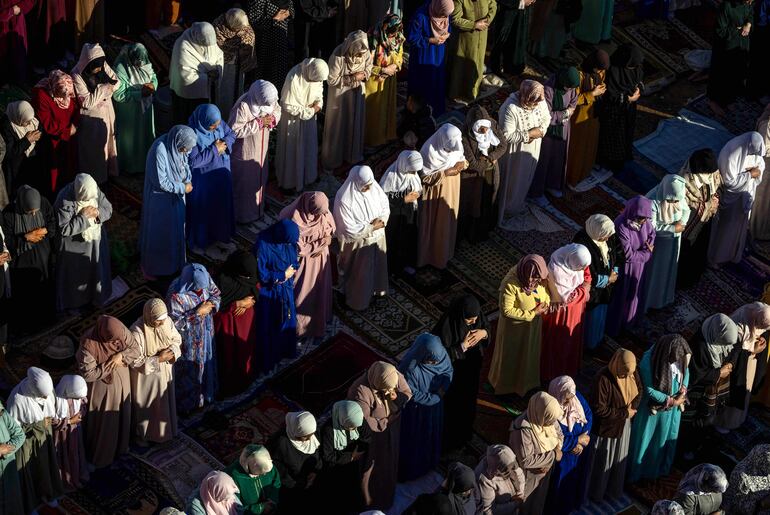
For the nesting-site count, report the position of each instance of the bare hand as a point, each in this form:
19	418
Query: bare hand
221	146
599	90
16	10
6	449
745	30
577	450
187	187
33	136
613	277
755	173
541	308
761	344
204	308
559	453
725	370
535	133
631	412
281	15
412	196
115	361
5	257
678	227
73	130
649	246
377	224
359	76
165	355
482	24
584	439
635	96
289	273
316	106
714	202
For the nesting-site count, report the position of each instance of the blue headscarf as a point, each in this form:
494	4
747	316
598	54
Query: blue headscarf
204	116
180	136
425	379
194	277
276	249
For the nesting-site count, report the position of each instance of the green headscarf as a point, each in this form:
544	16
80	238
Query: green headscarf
346	414
566	78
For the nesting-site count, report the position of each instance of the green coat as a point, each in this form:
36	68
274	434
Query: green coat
469	47
255	491
733	14
10	488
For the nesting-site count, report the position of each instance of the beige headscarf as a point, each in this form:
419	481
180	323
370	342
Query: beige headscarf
382	376
355	50
87	194
156	338
22	117
543	411
623	363
600	227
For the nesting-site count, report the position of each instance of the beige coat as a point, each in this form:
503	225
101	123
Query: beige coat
528	452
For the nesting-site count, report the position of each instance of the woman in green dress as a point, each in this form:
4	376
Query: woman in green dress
257	480
134	119
11	439
471	19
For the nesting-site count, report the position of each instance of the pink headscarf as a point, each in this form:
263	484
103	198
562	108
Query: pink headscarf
439	12
572	411
218	494
310	211
530	93
59	85
566	268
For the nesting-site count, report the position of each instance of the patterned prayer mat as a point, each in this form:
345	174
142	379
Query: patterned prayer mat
742	118
668	40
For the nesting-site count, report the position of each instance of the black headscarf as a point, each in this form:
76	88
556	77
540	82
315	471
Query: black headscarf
460	478
238	278
431	504
671	348
626	73
596	60
703	160
451	327
27	199
93	79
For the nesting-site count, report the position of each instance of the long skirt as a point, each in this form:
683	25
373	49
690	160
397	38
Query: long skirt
38	467
381	466
421	427
608	465
509	49
550	172
535	501
478	209
562	347
515	366
109	418
236	337
193	387
594	323
210	216
692	258
363	272
278	338
249	178
583	144
439	208
659	281
729	230
401	234
460	400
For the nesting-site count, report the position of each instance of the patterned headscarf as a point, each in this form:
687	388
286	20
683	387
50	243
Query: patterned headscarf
59	85
530	93
386	37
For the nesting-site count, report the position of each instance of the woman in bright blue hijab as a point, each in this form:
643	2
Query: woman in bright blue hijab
277	253
192	300
428	372
210	215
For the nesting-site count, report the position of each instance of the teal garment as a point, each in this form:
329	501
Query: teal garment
595	22
195	506
653	437
553	39
255	491
134	117
10	487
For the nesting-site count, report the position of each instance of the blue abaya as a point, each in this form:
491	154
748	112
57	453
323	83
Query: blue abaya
276	249
428	372
427	62
210	214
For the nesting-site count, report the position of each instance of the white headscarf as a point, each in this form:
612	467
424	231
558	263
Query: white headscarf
299	424
565	270
572	411
354	209
87	194
401	175
22	118
600	227
262	98
195	53
486	139
442	150
32	400
70	387
736	158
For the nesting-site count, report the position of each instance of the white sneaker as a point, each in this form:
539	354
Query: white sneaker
586	184
601	174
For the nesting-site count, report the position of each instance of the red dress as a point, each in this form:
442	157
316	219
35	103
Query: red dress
562	348
236	344
56	122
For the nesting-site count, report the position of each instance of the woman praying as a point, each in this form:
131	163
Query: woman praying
382	393
536	439
703	183
524	118
297	457
94	83
500	481
665	375
482	146
568	486
277	254
71	407
235	323
361	212
26	157
257	480
296	157
471	19
167	180
236	38
106	351
428	372
442	161
741	165
636	236
252	117
464	332
615	396
217	494
270	21
350	65
33	405
730	54
12	436
569	283
760	211
386	42
598	237
670	213
402	184
313	280
152	374
134	115
700	490
83	270
192	299
195	70
523	299
461	489
429	29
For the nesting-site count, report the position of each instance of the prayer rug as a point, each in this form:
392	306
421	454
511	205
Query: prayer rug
657	74
126	487
182	462
441	287
323	377
580	206
741	118
251	422
669	40
483	265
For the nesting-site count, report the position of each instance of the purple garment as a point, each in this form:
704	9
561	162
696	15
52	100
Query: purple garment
625	296
551	171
